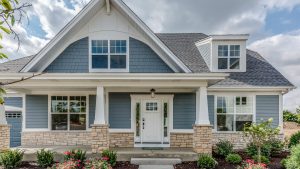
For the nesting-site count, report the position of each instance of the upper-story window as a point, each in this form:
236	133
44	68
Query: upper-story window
229	57
109	54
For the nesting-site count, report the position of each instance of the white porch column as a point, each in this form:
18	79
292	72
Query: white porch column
100	106
202	117
2	115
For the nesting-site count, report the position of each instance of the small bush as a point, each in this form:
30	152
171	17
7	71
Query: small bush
290	117
97	164
295	139
251	150
71	164
206	162
45	158
11	158
264	159
76	155
234	159
283	162
110	157
293	161
250	164
223	148
277	146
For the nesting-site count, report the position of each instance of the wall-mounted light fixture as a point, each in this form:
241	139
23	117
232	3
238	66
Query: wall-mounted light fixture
152	91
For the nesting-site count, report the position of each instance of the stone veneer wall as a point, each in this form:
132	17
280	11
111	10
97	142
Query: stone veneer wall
56	138
202	139
121	139
235	138
181	140
4	137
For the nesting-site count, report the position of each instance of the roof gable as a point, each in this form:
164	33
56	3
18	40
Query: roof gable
66	36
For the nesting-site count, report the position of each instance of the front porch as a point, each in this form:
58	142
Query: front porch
124	154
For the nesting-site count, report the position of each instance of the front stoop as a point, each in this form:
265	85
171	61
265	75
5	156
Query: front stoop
155	161
100	138
4	137
202	139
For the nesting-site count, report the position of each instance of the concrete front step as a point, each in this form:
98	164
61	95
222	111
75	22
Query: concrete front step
155	161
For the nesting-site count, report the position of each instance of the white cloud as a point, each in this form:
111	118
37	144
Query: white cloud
282	51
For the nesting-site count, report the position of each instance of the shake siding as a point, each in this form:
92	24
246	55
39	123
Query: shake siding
74	59
142	59
267	107
119	110
184	110
36	111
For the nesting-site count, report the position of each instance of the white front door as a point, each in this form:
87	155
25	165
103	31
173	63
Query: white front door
152	121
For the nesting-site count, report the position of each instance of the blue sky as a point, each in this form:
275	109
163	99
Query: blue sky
273	25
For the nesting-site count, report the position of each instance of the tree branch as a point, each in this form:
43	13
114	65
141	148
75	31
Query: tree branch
17	81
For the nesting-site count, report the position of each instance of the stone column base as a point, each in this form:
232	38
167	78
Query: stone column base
100	138
4	137
202	139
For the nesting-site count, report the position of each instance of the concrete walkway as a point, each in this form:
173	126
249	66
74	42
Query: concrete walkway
156	167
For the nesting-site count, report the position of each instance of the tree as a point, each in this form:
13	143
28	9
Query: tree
11	12
260	134
298	110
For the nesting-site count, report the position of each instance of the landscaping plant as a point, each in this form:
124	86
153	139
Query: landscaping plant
71	164
234	159
76	155
45	158
11	159
251	150
293	161
206	161
250	164
109	156
260	134
290	117
276	145
263	159
97	164
295	139
223	148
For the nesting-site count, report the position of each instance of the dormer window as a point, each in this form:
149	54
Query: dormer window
109	55
229	57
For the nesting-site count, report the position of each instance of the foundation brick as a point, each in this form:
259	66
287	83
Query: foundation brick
181	140
121	140
4	137
202	139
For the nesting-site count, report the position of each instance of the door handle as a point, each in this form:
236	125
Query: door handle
143	123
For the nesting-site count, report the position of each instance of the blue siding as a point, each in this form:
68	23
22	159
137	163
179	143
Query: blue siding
36	111
142	59
211	109
92	108
267	107
184	110
120	110
74	59
15	129
14	101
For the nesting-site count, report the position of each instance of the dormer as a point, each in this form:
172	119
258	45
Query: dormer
224	53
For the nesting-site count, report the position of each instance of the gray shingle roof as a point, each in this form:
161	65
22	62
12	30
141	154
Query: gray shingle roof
183	46
14	66
259	73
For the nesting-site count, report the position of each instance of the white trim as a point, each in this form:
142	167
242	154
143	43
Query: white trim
24	112
13	108
182	131
35	130
281	113
230	37
121	131
152	145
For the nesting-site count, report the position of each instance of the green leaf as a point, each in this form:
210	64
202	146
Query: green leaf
1	36
12	20
1	47
17	2
3	56
6	4
6	30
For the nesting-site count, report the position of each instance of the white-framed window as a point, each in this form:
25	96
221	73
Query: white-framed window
151	106
233	112
229	57
109	55
68	112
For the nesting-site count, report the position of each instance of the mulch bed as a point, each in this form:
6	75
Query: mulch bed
222	164
119	165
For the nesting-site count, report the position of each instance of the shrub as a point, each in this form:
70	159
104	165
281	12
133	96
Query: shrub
234	159
283	162
295	139
277	146
264	159
97	164
251	150
76	155
206	161
223	148
291	117
11	158
293	161
250	164
45	158
110	157
71	164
